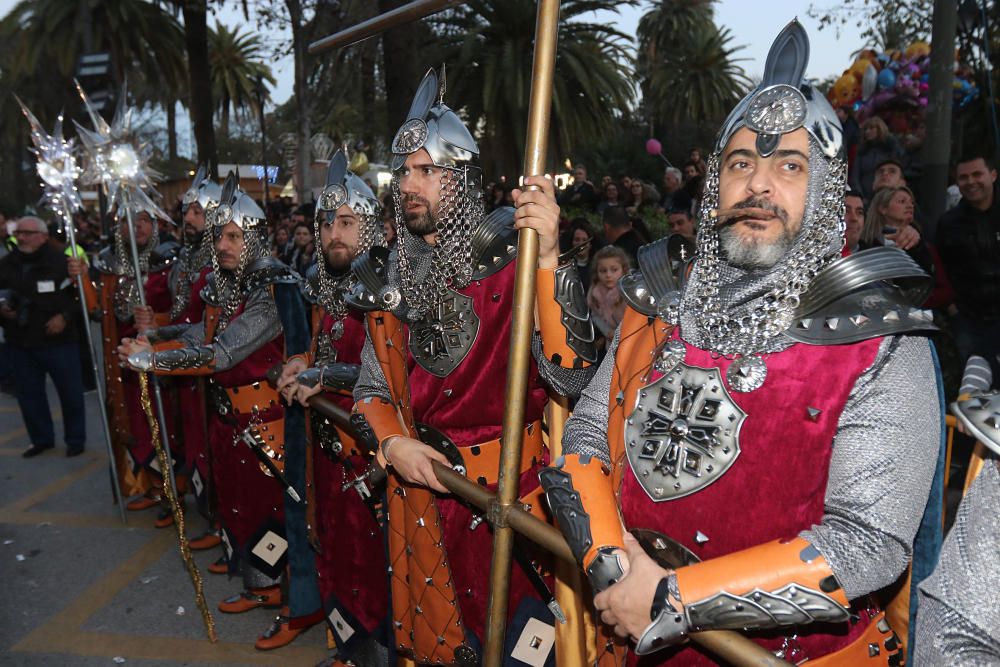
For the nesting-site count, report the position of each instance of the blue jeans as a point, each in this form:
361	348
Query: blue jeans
29	366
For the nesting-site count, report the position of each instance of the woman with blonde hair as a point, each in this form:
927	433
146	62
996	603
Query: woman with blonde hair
890	212
877	145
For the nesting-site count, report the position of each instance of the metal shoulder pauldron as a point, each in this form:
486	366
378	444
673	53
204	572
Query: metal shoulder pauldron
372	291
494	243
657	279
876	292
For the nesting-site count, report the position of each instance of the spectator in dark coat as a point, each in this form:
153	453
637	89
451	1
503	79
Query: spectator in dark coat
968	238
37	313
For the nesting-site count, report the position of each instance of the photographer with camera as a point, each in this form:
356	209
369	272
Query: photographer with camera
37	304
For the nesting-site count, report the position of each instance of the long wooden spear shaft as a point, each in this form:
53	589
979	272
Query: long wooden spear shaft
413	11
522	327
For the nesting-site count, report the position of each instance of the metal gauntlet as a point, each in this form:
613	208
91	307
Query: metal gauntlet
334	377
582	500
567	330
772	585
184	359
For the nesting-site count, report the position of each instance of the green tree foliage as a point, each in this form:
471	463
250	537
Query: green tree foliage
236	61
488	48
143	39
687	66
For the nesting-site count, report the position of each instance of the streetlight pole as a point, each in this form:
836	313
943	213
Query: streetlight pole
263	135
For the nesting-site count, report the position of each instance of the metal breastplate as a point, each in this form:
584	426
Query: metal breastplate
684	432
126	296
440	342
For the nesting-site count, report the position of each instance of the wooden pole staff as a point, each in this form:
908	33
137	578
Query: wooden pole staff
519	357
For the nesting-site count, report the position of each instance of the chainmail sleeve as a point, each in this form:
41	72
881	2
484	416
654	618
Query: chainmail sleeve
371	381
193	335
884	456
568	382
255	326
586	431
959	621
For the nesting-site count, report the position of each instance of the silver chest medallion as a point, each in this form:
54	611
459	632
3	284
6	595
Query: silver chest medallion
440	341
746	374
684	432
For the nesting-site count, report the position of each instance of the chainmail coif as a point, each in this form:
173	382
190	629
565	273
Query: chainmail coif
736	311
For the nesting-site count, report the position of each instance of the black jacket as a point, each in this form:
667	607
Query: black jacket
968	241
38	287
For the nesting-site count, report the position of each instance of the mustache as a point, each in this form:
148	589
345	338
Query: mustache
754	208
407	199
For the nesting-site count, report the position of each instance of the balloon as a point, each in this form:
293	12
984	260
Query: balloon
886	79
857	70
922	101
654	147
918	49
845	91
869	82
924	87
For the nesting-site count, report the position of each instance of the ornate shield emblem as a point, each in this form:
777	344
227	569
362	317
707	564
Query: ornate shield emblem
684	432
440	341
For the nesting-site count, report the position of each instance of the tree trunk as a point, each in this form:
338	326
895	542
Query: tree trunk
224	121
200	103
403	69
172	129
303	161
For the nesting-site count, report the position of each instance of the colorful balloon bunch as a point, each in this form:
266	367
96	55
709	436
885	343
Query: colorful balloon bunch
893	85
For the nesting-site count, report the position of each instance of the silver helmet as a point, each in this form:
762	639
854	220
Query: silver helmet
743	313
344	187
237	207
203	190
433	126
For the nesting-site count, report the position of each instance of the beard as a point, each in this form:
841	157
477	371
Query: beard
755	253
339	257
192	234
419	224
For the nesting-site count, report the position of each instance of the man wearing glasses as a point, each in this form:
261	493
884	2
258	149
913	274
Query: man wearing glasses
37	304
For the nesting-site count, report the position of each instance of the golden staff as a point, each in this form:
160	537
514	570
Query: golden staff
522	327
164	459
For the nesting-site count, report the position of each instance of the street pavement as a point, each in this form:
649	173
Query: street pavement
85	590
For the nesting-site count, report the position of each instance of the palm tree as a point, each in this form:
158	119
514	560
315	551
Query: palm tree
702	82
488	46
236	61
686	64
141	37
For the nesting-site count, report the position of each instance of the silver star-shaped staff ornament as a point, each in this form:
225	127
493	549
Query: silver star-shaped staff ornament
57	166
117	161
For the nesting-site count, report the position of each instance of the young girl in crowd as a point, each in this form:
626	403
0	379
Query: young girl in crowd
605	299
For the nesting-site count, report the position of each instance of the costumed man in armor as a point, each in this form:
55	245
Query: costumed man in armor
187	278
114	298
348	569
772	416
433	368
250	301
959	618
